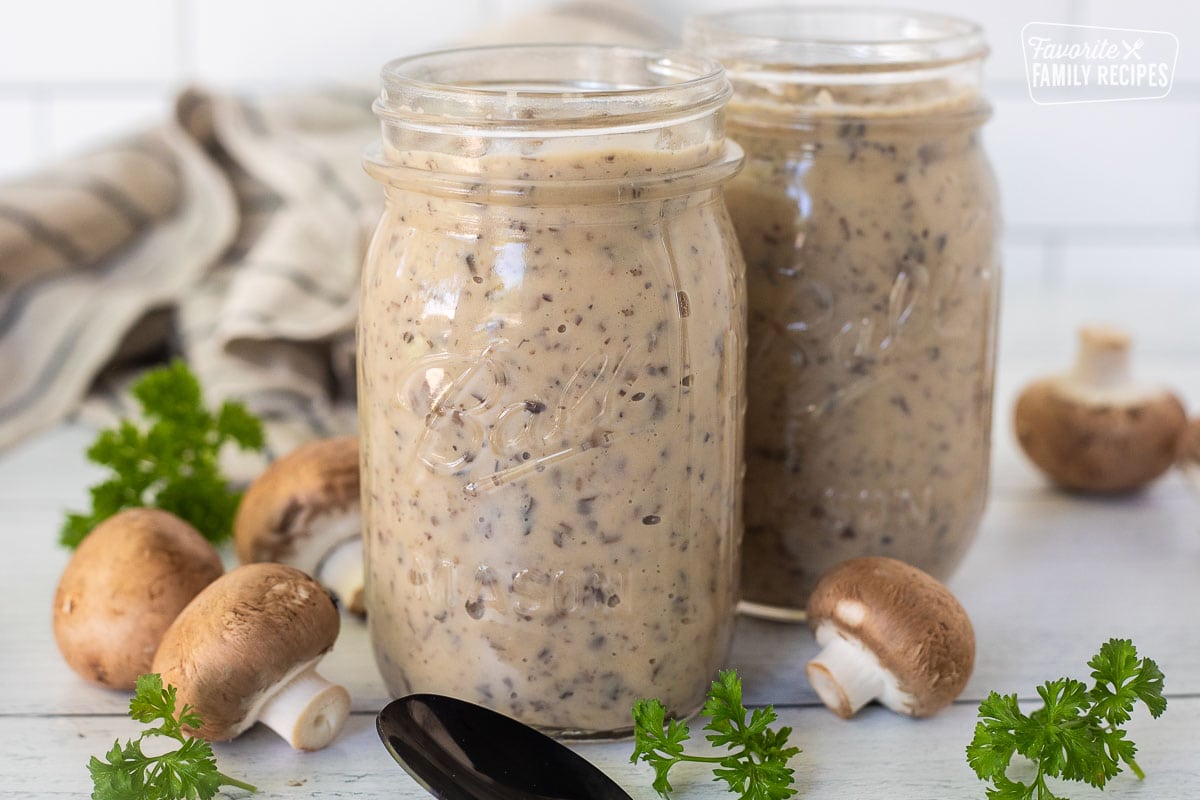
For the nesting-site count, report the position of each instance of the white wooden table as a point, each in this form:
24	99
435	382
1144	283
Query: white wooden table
1050	578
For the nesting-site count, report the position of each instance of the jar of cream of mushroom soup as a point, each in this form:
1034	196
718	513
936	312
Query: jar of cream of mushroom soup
551	351
869	221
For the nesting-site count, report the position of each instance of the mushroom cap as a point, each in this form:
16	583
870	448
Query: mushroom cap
253	629
275	517
912	624
123	587
1095	443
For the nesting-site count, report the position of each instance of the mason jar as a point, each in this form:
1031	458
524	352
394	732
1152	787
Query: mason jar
551	370
868	217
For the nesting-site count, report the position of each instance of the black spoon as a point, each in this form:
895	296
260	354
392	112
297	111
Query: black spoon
462	751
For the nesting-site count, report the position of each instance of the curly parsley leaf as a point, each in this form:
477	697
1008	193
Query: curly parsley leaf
171	462
187	773
995	736
1075	735
659	742
756	769
1122	680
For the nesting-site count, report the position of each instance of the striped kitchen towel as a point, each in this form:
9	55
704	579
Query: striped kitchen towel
232	234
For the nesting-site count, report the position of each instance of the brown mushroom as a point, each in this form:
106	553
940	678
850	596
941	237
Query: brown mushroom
304	511
891	633
1094	428
246	650
124	585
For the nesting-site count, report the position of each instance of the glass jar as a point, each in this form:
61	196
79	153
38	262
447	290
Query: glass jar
868	217
551	371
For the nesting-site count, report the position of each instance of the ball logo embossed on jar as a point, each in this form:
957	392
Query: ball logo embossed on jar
451	392
468	403
857	347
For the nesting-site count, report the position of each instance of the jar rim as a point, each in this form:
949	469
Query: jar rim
834	38
532	87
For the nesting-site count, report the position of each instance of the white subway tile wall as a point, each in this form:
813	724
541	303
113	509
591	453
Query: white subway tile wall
1097	166
77	118
1107	188
18	132
285	42
55	43
1117	283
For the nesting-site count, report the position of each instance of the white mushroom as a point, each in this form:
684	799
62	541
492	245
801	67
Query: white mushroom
891	633
124	585
1095	428
246	650
304	511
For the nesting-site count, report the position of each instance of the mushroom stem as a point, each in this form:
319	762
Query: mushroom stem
342	571
845	676
308	710
1103	359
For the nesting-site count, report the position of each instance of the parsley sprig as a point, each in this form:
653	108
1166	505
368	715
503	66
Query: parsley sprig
171	463
756	769
1076	735
187	773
